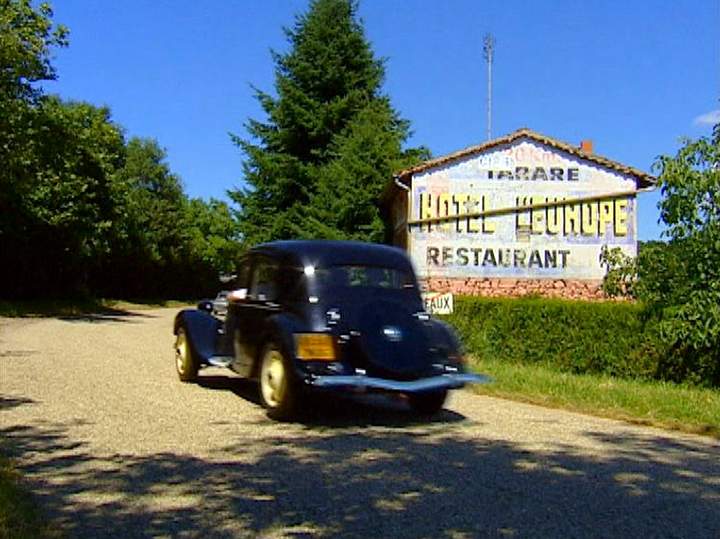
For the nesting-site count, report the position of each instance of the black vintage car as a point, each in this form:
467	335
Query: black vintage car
325	315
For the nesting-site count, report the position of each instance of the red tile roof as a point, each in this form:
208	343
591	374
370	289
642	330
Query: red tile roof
642	179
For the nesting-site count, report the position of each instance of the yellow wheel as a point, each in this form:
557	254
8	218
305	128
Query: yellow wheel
273	381
185	363
278	388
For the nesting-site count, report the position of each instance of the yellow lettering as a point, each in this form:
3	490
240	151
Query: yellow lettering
554	219
621	216
589	219
461	206
572	219
537	216
522	220
488	227
474	203
444	209
426	208
606	215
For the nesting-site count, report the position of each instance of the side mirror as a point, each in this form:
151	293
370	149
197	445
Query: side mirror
205	305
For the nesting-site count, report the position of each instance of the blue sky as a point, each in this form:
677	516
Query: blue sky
632	76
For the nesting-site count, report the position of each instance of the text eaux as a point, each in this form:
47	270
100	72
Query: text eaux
497	257
438	303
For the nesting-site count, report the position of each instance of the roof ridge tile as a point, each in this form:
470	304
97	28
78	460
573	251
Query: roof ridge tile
642	178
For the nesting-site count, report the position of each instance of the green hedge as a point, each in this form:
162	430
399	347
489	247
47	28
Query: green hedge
574	336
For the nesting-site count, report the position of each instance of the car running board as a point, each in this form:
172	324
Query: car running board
220	361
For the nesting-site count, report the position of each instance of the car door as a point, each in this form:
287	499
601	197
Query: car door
260	303
238	303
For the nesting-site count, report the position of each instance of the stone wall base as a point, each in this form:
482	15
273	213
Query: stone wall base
549	288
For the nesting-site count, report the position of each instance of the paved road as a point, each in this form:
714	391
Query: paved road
115	446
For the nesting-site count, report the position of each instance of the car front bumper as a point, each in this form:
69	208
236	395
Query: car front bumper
363	383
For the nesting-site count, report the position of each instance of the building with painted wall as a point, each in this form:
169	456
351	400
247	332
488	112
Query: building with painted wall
520	214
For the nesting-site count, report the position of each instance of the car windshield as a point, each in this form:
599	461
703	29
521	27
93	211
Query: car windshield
355	276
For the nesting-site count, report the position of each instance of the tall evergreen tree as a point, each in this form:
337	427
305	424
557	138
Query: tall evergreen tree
331	140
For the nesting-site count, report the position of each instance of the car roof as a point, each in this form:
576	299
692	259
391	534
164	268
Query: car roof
332	252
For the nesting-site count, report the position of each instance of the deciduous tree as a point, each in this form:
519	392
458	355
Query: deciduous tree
690	309
82	211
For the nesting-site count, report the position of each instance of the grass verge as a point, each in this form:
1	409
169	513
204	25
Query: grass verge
44	308
659	404
19	516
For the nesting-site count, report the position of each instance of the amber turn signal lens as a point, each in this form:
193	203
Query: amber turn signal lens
315	347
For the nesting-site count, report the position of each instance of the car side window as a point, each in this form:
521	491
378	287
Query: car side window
243	275
264	285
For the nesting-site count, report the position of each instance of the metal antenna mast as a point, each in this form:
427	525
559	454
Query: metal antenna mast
488	51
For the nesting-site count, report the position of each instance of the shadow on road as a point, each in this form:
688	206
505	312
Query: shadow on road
104	315
333	411
243	388
306	480
70	310
12	402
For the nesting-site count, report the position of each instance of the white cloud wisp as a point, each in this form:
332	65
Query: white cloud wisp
709	118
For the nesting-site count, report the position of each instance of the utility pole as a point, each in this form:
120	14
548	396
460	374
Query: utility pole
488	51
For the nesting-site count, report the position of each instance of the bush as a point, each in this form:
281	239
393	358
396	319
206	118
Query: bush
573	336
679	280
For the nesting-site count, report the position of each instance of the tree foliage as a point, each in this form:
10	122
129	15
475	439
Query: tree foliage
620	274
315	168
690	207
27	37
83	210
678	281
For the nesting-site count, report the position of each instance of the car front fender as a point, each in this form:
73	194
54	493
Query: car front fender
202	329
282	328
444	335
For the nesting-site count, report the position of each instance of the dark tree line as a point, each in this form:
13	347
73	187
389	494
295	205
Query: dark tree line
84	210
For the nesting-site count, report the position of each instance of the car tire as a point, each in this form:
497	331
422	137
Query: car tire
427	403
186	363
278	387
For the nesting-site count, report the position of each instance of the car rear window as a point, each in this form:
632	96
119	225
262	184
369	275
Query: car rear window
355	276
